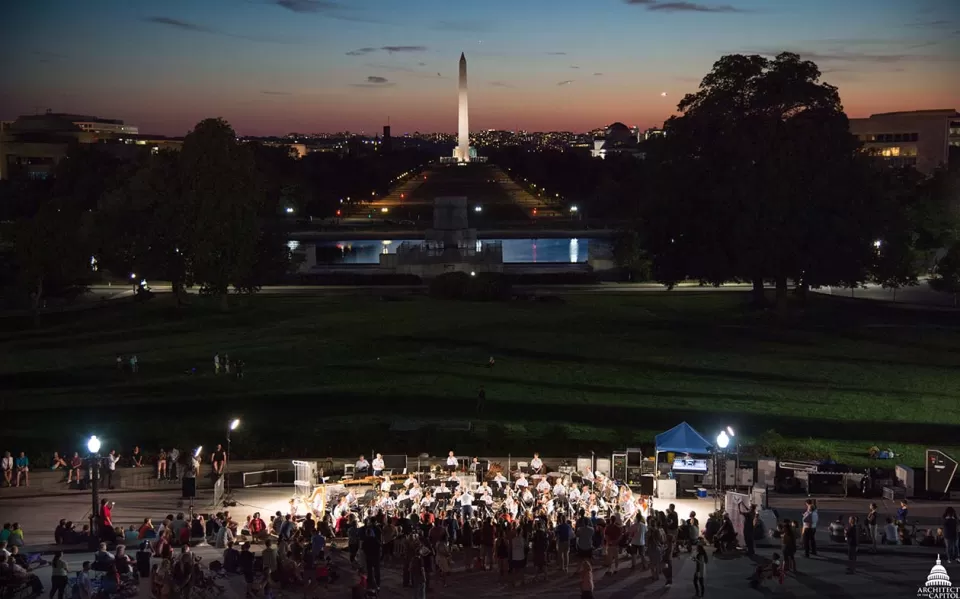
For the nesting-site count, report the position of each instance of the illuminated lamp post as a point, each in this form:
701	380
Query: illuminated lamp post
93	446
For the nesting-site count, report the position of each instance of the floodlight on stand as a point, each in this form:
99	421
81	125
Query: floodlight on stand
93	444
234	424
723	440
730	431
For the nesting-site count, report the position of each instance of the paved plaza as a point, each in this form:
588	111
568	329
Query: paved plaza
895	572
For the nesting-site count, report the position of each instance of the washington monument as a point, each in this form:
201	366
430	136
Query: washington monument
462	153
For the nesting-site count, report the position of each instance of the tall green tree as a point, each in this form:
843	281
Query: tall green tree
758	180
221	197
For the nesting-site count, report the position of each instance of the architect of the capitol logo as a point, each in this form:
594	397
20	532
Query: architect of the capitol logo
938	584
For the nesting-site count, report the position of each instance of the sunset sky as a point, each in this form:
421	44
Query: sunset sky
276	66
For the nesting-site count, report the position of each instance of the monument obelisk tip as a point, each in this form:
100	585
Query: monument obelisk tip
462	57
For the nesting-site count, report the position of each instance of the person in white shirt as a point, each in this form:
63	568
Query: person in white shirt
386	485
427	500
466	504
414	492
522	481
443	488
511	506
638	543
543	486
411	481
362	466
350	498
378	465
483	488
452	462
111	463
559	490
527	497
536	464
341	508
7	466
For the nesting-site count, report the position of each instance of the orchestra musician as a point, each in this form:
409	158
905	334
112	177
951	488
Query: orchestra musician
543	486
362	466
476	470
466	504
386	485
377	465
522	482
536	464
452	462
411	481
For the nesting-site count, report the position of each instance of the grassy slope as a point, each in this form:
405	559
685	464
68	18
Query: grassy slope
596	370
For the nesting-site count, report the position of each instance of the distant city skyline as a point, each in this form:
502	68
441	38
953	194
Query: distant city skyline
271	67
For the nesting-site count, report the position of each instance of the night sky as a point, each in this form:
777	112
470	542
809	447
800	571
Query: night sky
276	66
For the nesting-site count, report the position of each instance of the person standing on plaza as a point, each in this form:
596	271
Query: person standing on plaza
564	533
59	575
872	525
673	524
852	535
950	534
216	363
611	540
638	543
699	573
586	580
809	533
111	463
749	516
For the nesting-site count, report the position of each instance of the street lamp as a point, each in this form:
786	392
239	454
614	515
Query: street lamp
723	440
93	446
226	470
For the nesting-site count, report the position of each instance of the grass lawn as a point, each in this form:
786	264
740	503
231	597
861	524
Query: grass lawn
327	374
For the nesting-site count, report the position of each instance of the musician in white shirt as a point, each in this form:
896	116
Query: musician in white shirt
413	492
522	481
536	464
543	486
341	508
362	466
452	462
351	498
527	497
378	465
559	490
411	481
466	504
510	505
386	485
427	500
443	488
483	488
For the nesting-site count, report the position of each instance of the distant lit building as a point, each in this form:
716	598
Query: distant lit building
919	138
32	145
616	139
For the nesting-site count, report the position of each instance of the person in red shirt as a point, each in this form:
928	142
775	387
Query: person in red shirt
257	527
611	539
145	528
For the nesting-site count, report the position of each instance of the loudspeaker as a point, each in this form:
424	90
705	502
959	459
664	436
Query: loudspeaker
646	485
189	488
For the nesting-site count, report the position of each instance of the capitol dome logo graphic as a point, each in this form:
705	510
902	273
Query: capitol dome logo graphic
938	584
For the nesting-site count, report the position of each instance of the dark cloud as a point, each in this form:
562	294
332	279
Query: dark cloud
269	92
573	66
556	53
597	74
374	81
566	82
640	1
421	64
499	84
188	26
393	49
327	8
388	49
308	5
177	23
690	7
396	68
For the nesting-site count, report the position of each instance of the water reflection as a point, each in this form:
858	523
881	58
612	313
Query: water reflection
514	250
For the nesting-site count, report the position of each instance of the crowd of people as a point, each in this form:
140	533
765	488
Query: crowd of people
167	466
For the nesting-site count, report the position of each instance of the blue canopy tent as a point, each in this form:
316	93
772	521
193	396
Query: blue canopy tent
683	438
